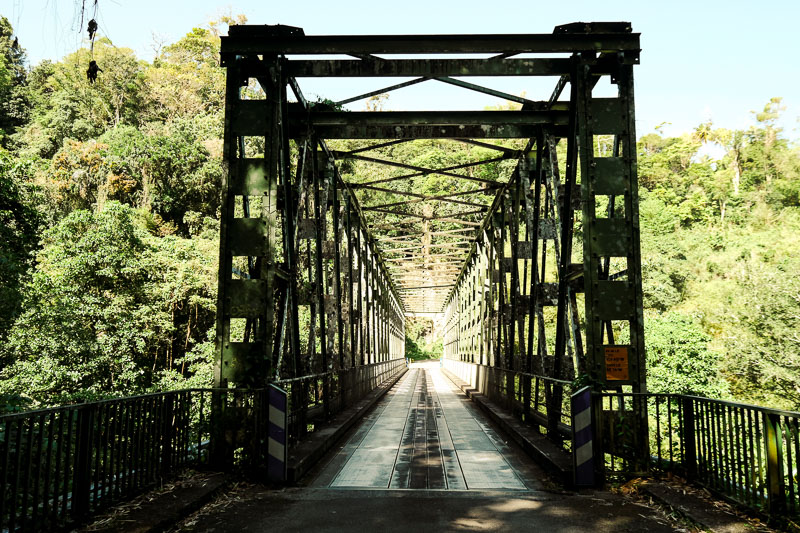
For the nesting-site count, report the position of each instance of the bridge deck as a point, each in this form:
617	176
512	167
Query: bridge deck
426	435
425	459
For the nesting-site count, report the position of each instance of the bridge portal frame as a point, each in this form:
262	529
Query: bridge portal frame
310	243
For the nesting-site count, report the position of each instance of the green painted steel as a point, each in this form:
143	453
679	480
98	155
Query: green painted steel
549	283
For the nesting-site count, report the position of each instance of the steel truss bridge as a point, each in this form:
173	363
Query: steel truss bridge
326	246
542	277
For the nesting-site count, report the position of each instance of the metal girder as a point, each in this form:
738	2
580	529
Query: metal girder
447	216
375	146
485	90
380	91
426	287
427	68
422	171
406	260
445	171
425	196
327	119
243	40
405	236
442	198
457	246
505	150
425	124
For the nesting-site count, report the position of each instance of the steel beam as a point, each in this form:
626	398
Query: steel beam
245	40
433	68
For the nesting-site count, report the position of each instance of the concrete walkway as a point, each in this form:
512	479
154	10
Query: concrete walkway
426	435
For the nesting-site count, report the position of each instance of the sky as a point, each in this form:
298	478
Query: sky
701	59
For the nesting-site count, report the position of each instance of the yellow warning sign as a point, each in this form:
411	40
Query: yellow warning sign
616	363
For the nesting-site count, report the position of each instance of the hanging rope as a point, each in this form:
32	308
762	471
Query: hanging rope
91	27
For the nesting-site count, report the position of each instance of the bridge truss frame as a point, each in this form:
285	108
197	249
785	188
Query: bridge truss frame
314	291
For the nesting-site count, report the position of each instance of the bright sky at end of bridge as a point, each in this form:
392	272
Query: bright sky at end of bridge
701	60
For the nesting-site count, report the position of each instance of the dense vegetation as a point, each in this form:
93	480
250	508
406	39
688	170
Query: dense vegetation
109	200
421	340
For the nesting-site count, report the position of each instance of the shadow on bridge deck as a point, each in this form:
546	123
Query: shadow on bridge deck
425	459
426	435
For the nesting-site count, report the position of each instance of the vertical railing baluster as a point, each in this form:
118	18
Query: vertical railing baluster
37	482
786	435
4	472
96	455
795	471
69	479
750	484
125	452
200	426
24	515
113	453
712	467
658	431
689	438
137	445
774	455
12	521
759	447
740	447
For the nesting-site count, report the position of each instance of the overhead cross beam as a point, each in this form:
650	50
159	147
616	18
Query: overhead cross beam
247	40
420	171
448	198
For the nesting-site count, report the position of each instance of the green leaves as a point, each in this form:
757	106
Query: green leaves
107	307
19	223
679	360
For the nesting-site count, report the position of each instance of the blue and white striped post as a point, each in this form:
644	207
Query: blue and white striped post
582	438
277	436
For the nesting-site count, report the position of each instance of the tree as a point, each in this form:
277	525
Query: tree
108	308
13	104
174	170
186	79
679	360
67	106
19	223
767	343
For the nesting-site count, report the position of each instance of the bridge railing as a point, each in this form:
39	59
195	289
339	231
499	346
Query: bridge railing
316	397
541	401
746	453
62	464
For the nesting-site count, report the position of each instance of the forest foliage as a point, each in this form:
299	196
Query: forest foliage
109	199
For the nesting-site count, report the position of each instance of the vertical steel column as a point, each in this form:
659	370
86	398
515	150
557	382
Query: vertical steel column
337	262
351	318
605	179
248	362
360	296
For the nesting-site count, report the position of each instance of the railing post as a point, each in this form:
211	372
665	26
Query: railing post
167	431
81	484
220	456
688	435
774	454
583	437
599	439
277	441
